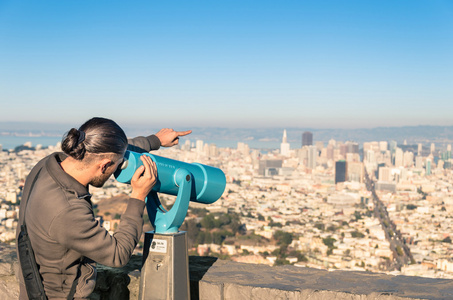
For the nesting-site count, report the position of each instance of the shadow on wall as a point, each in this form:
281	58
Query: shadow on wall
198	266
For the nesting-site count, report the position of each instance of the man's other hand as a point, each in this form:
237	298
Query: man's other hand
168	137
144	178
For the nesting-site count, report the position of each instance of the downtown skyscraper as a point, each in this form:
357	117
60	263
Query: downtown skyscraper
307	138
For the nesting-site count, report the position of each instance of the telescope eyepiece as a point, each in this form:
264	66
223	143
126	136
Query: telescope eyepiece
123	165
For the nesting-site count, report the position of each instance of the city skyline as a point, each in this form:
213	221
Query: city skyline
387	211
16	133
235	64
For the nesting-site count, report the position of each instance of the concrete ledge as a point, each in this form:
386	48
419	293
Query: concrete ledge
231	280
213	279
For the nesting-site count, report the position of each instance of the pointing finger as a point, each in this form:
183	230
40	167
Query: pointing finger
183	133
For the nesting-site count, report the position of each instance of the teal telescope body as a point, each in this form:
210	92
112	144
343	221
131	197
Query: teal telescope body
188	181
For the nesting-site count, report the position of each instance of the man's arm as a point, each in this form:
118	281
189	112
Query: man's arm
143	144
166	137
76	228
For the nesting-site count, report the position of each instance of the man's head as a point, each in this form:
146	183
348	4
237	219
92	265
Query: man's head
99	144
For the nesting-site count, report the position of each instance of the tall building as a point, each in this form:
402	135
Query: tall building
419	162
383	146
269	167
370	157
199	146
243	148
384	174
330	152
206	149
343	150
440	164
284	146
186	146
428	167
319	145
312	157
355	171
213	150
352	157
448	152
399	157
340	171
392	146
307	138
408	159
352	147
419	149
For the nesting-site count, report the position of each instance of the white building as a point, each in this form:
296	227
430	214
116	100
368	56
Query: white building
284	146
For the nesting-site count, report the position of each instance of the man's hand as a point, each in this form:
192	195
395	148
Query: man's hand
144	178
168	137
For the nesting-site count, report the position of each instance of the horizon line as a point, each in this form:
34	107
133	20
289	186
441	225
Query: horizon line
126	124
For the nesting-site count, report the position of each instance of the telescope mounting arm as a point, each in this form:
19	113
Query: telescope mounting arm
167	222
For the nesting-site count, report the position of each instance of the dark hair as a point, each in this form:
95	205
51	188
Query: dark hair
97	135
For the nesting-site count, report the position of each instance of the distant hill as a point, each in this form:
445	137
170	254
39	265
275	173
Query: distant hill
35	128
118	205
441	135
113	205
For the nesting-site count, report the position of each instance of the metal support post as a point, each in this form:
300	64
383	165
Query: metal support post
165	270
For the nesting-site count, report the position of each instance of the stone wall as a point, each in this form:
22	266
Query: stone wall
213	279
9	288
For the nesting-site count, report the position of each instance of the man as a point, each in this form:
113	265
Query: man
66	238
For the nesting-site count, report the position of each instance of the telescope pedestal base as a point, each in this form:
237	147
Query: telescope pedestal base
165	270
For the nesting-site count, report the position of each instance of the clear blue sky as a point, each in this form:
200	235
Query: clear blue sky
316	64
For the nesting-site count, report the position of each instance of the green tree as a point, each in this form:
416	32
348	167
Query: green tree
208	221
277	224
235	226
332	228
281	262
219	236
283	238
200	238
411	206
447	240
207	237
329	241
193	230
357	234
320	226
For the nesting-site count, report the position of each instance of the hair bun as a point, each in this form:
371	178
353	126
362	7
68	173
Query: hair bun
73	144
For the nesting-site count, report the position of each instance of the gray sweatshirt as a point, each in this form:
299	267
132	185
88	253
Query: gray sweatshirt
63	229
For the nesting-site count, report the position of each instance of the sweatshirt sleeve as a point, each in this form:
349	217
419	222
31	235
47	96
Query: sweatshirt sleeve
77	229
144	144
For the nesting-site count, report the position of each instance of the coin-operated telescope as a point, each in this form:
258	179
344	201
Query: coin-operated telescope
165	271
